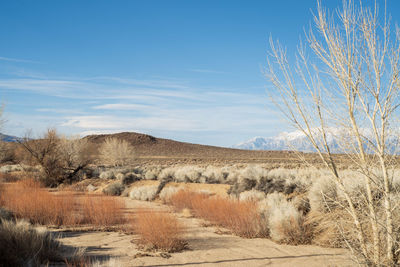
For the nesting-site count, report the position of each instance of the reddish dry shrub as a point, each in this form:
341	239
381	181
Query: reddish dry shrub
102	210
241	217
26	199
159	230
184	199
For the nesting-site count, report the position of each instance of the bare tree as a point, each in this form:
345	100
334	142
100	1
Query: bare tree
74	156
347	76
61	158
116	152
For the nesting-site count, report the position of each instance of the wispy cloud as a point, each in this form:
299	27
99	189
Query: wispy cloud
208	71
169	107
17	60
122	107
118	123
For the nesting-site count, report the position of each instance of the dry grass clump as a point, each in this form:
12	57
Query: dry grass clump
23	245
160	231
26	199
184	199
102	210
241	217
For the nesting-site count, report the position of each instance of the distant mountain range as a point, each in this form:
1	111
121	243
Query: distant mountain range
284	141
9	138
297	140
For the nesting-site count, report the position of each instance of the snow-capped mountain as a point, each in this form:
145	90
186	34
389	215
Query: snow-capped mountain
284	141
297	140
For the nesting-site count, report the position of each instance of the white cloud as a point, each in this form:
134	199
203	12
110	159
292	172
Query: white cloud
113	122
122	107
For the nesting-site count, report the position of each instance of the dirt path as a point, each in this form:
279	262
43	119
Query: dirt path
207	248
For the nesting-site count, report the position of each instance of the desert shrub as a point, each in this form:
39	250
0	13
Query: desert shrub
23	245
286	224
323	195
152	174
90	188
187	174
116	152
160	231
96	171
253	172
120	176
252	195
147	192
107	175
114	189
129	178
5	214
242	185
7	152
102	210
214	175
167	174
327	231
11	168
270	185
167	192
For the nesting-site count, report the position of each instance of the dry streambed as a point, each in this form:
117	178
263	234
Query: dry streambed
208	246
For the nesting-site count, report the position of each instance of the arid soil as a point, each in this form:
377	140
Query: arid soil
208	246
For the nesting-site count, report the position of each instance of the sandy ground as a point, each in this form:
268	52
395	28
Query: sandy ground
206	247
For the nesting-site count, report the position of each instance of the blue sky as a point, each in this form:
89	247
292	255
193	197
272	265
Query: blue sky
185	70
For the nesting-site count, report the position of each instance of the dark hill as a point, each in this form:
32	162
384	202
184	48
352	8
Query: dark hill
149	147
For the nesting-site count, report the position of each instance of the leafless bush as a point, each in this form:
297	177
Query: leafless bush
116	152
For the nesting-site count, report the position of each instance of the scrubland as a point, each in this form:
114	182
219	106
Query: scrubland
288	206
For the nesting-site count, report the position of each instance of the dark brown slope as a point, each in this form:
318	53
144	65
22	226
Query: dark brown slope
149	147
